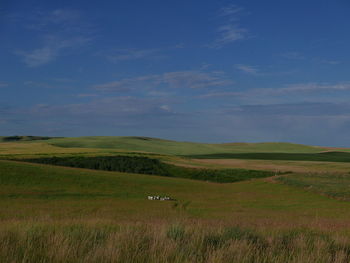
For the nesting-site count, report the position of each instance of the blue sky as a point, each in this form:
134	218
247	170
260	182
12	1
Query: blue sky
209	71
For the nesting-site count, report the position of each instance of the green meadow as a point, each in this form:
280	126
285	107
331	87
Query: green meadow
53	210
320	156
160	146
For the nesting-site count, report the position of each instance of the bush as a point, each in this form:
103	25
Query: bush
144	165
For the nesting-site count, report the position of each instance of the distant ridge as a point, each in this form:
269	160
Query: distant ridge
24	138
162	146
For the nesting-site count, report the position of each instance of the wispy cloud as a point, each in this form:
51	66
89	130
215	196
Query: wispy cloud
3	84
67	20
86	95
177	80
125	54
61	16
294	55
132	54
293	109
253	70
112	106
58	31
315	87
230	33
52	48
230	11
195	79
328	61
297	90
230	30
38	56
47	85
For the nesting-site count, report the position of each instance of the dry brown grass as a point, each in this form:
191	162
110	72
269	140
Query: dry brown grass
273	165
185	241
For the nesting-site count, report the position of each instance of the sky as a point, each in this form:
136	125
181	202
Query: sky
188	70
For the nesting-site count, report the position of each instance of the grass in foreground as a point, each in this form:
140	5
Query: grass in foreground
167	243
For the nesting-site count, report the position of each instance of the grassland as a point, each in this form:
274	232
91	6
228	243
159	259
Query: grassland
321	157
61	193
61	214
151	166
271	165
64	214
160	146
167	243
330	184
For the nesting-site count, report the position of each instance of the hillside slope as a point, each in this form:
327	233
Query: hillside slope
32	191
155	145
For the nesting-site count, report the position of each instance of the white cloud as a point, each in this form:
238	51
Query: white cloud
3	84
329	62
38	57
120	111
247	69
60	19
57	31
133	54
230	31
177	79
294	55
52	48
307	88
86	95
290	93
165	107
194	79
231	11
60	16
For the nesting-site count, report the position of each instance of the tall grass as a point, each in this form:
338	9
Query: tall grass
167	243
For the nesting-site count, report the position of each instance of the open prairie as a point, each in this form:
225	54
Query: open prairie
96	213
174	131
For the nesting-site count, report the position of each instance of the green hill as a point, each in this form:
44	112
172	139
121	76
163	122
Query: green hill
160	146
32	191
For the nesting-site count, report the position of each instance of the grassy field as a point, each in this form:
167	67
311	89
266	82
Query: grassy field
330	184
270	165
178	148
151	166
321	157
34	191
64	214
167	243
51	213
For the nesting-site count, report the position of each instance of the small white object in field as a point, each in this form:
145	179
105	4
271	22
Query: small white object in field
161	198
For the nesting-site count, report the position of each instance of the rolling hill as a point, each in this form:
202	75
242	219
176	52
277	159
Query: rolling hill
161	146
